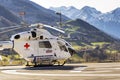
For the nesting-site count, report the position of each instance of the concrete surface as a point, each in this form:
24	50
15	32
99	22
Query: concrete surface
87	71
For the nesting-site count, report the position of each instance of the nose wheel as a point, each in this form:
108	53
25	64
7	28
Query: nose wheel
27	64
58	63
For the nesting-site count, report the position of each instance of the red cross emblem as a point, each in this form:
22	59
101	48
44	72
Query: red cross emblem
26	45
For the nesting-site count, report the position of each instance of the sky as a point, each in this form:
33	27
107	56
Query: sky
101	5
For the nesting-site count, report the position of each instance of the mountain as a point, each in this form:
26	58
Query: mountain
67	11
7	18
74	13
82	31
108	22
34	13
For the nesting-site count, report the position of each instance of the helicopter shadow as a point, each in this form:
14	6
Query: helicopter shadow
54	67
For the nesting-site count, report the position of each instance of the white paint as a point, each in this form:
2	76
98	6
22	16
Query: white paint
116	68
79	69
11	67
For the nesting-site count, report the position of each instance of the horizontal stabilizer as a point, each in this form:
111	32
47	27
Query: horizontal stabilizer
6	45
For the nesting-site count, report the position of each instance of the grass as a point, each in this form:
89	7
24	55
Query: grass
73	29
77	47
99	43
12	60
76	58
111	51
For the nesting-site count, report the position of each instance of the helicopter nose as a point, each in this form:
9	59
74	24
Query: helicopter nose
72	51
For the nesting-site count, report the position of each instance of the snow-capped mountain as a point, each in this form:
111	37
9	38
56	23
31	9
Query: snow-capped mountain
74	13
67	11
108	22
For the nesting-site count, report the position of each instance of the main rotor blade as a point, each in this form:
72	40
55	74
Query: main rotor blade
11	30
39	25
54	28
9	27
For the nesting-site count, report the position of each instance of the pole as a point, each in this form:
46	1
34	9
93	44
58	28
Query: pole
60	22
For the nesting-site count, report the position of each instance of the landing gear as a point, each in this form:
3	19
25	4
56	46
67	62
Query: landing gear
58	63
27	64
51	63
63	63
46	62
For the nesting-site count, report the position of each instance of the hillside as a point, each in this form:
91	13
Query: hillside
7	18
91	44
81	31
34	13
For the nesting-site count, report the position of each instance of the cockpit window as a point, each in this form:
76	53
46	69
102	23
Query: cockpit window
67	44
45	44
33	34
62	47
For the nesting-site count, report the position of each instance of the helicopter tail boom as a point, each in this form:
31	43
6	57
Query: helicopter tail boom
6	45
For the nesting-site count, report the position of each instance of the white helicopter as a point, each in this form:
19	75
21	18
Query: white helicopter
39	46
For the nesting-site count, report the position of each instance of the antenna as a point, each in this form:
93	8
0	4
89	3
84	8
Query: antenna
60	14
22	15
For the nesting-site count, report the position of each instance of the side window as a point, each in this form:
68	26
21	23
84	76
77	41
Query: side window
41	37
45	44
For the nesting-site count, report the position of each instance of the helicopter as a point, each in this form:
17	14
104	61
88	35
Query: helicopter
39	46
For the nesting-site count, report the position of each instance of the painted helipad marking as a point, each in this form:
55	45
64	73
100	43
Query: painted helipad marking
40	74
11	67
79	69
117	68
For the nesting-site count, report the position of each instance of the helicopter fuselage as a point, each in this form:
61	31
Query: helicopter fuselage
38	45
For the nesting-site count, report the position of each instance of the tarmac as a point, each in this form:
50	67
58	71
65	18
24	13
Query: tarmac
86	71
